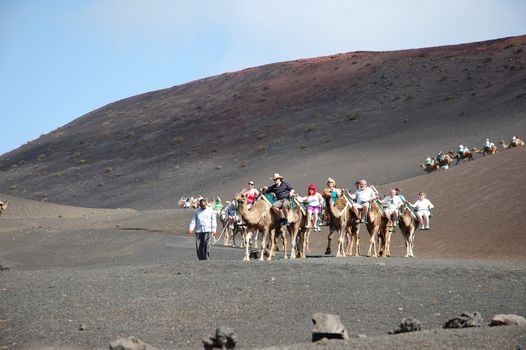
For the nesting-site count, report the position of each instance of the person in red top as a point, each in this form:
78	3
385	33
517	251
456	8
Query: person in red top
252	193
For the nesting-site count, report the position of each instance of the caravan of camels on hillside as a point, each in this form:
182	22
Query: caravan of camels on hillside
444	161
274	210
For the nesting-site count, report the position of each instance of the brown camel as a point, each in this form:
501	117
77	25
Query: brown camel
3	206
376	225
429	168
517	143
338	217
232	226
259	217
466	155
444	162
352	231
485	150
297	218
408	224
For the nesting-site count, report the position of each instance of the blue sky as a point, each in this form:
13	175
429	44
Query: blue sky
62	59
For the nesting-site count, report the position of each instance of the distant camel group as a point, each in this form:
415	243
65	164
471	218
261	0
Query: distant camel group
444	161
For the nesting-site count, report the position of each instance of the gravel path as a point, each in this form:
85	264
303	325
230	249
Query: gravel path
149	284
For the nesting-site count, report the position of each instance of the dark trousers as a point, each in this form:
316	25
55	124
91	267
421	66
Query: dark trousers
201	245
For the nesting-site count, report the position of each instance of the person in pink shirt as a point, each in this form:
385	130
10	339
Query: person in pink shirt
252	193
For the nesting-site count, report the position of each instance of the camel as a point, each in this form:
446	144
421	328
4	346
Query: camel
232	227
297	219
352	231
485	150
445	162
3	206
429	168
338	217
377	227
466	155
517	143
408	224
259	217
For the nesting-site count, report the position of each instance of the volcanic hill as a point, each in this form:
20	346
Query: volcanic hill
359	114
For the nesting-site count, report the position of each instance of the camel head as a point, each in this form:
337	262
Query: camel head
327	193
240	197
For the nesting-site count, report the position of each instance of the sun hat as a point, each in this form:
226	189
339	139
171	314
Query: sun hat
276	176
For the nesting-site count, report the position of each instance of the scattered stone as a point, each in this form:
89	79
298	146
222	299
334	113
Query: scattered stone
408	324
3	268
466	319
507	320
254	254
82	327
327	326
130	343
223	339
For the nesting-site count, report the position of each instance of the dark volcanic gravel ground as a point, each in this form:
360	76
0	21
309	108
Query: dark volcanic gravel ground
149	284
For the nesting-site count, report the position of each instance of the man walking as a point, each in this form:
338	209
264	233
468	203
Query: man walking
204	223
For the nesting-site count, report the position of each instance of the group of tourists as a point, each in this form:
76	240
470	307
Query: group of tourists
488	147
204	222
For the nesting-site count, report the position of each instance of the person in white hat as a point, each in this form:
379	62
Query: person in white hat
282	192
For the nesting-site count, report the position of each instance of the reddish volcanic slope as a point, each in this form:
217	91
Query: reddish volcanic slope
352	115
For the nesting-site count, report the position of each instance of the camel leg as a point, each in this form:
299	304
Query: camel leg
388	242
263	244
350	240
273	234
372	244
292	243
247	239
356	229
411	242
293	232
341	240
306	235
329	240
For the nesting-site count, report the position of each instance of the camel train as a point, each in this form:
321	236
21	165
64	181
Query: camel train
445	161
343	224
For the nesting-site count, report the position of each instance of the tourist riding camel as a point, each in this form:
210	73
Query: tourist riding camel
399	194
464	154
444	160
514	142
429	165
335	194
363	196
489	148
314	201
393	204
281	191
252	193
423	210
